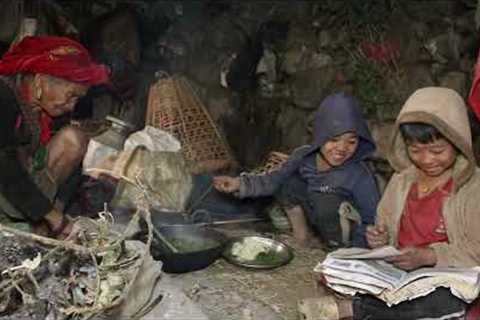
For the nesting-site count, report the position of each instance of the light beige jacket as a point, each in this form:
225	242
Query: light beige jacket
445	110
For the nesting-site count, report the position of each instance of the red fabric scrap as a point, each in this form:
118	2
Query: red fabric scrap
474	95
473	310
384	52
45	128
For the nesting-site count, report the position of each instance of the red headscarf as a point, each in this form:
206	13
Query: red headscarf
56	56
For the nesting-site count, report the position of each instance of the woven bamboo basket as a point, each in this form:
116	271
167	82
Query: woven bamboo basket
273	161
173	106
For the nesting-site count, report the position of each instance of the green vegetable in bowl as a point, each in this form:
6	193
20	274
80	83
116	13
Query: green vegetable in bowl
268	258
190	245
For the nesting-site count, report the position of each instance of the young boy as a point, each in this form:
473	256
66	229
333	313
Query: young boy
317	178
429	209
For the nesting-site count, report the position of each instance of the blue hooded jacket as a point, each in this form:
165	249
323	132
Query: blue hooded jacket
337	114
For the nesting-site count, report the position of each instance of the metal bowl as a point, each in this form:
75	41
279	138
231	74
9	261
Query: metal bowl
278	253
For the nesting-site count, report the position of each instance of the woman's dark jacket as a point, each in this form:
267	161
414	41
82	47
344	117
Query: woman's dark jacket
16	185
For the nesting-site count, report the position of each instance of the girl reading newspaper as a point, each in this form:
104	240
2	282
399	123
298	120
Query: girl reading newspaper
429	209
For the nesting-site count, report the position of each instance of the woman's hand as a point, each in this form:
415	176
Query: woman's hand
226	184
414	258
377	236
59	225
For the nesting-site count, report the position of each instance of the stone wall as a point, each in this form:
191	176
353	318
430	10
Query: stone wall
263	67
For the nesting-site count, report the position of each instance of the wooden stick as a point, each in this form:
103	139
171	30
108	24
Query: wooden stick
45	241
164	240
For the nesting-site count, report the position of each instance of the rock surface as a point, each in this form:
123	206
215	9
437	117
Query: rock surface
292	53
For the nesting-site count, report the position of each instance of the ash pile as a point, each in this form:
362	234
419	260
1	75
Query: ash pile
102	275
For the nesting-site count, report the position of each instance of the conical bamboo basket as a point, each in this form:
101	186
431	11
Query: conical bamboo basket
173	106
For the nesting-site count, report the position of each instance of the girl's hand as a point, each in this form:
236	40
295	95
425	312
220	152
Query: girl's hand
226	184
377	236
414	258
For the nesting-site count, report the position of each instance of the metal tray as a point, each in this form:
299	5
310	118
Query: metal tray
283	254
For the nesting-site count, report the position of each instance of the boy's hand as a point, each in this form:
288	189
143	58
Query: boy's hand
226	184
414	258
377	236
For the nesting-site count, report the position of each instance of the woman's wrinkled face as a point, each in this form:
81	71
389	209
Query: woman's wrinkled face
340	148
58	96
433	158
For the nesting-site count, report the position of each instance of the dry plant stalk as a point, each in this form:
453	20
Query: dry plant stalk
49	242
130	267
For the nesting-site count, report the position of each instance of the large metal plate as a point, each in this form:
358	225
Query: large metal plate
280	252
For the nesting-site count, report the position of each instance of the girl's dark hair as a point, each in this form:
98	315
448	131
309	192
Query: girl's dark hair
419	132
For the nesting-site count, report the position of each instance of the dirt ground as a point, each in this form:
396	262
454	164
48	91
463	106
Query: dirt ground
224	291
227	292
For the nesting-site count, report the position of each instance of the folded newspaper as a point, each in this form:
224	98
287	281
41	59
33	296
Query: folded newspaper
357	270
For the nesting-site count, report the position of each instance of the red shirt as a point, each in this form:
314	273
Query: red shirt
422	221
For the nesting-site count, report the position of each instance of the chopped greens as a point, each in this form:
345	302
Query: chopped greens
268	258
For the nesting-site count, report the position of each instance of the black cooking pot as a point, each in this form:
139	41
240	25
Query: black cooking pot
208	246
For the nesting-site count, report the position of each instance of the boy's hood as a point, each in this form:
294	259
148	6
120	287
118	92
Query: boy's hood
340	113
445	110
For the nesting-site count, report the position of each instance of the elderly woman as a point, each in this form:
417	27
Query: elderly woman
40	78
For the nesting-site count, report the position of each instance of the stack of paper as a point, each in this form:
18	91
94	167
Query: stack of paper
355	270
